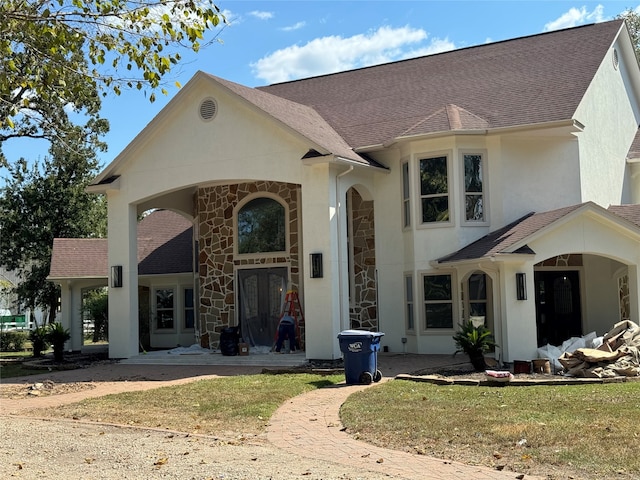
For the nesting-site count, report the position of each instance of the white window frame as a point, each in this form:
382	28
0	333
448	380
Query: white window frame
184	308
452	301
406	194
154	318
417	182
463	190
409	303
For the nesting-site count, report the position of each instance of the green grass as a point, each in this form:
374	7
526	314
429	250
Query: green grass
17	369
591	431
228	407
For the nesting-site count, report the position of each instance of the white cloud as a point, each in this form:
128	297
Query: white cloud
261	14
575	17
334	53
296	26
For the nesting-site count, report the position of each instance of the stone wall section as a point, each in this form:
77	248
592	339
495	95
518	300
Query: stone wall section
217	261
363	308
623	296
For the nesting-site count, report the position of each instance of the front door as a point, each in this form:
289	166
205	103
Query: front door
260	297
558	314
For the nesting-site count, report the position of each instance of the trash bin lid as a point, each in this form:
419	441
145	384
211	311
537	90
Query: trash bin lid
359	333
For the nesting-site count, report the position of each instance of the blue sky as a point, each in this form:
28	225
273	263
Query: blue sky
277	40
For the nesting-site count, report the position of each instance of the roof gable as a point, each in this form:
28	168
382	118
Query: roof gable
513	238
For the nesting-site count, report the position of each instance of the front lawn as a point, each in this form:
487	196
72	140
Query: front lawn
558	432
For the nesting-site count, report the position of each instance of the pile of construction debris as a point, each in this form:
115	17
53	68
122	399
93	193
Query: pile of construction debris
617	355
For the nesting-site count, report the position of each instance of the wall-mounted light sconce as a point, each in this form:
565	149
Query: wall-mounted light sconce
116	276
521	286
316	265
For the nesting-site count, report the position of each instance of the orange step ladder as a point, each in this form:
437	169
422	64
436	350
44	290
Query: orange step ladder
293	309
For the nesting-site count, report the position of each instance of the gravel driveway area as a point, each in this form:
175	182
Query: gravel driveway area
46	449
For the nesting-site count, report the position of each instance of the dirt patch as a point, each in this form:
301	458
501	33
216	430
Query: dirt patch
44	389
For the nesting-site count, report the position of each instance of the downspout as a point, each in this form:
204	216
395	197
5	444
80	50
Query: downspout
339	234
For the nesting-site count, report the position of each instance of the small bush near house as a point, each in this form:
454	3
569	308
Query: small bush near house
12	341
57	335
39	342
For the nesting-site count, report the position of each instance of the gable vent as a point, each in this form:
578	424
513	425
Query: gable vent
208	109
616	60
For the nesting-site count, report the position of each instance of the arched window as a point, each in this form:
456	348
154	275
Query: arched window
261	226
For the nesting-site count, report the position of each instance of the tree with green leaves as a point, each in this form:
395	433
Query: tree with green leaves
45	200
62	56
632	18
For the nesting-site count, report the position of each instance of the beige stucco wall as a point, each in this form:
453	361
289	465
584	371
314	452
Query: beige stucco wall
611	123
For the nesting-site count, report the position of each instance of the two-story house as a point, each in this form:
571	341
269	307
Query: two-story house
497	183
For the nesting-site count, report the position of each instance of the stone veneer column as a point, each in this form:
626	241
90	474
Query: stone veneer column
216	207
363	311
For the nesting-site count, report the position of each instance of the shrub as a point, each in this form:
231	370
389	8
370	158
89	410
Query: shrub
57	335
39	342
12	341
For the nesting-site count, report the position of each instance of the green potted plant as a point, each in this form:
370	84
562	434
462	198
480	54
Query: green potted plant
38	338
57	335
475	342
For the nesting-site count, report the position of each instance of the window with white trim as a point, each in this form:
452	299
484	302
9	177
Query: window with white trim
438	301
434	189
478	299
189	310
408	300
474	196
165	308
406	192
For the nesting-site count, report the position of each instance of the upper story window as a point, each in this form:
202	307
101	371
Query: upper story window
434	189
474	201
406	192
261	226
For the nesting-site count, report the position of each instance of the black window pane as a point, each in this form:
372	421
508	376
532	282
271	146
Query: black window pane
473	173
189	319
164	298
188	297
478	309
477	287
437	287
474	207
439	315
261	227
165	319
433	176
435	209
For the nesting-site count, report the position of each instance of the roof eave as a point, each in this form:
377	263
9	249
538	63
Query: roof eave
516	258
570	126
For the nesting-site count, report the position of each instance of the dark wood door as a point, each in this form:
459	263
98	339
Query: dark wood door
260	300
558	313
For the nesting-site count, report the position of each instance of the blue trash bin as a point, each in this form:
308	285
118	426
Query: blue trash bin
360	351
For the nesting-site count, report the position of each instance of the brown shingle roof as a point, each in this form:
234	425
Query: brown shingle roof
530	80
301	118
502	240
630	213
79	258
164	246
634	151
